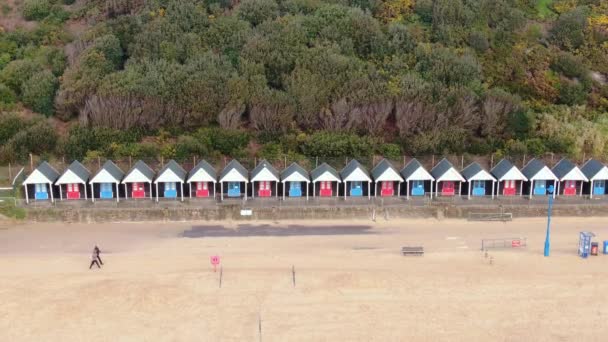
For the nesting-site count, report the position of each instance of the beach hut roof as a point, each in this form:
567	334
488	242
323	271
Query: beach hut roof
109	173
536	169
171	172
415	171
567	170
354	171
385	171
264	171
44	173
505	170
140	172
324	172
475	172
295	173
75	173
202	172
234	172
445	171
594	169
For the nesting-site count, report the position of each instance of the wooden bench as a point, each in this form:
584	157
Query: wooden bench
418	251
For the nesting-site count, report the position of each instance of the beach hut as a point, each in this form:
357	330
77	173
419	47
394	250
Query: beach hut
203	177
477	180
234	174
508	175
385	176
416	179
107	179
294	177
75	179
597	173
139	177
171	178
569	178
326	176
353	175
447	176
265	175
42	178
539	176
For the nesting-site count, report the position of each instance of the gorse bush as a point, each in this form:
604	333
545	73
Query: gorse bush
36	9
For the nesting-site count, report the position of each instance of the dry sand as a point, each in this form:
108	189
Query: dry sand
351	282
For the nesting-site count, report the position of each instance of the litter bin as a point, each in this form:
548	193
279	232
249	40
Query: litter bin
606	247
594	248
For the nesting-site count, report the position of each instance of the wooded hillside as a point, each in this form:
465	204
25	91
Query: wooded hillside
304	77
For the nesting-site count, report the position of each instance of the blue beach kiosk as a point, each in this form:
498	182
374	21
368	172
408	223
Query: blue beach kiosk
416	179
171	178
540	178
293	178
234	174
105	181
477	178
597	173
42	179
354	174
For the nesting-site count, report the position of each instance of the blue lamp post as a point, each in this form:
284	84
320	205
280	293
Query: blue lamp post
548	236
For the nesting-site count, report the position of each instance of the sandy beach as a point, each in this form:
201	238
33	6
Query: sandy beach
351	282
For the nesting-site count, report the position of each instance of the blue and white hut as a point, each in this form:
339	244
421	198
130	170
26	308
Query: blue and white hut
477	180
417	179
354	175
171	179
42	178
106	180
295	177
597	173
540	178
234	174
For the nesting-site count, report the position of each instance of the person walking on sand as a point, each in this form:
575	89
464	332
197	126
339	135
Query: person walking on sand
97	251
95	258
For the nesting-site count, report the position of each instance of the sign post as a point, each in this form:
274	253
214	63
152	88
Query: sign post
215	260
548	235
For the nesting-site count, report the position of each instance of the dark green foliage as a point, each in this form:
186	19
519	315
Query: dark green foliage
331	145
570	66
7	96
568	32
39	92
390	151
258	11
32	137
36	9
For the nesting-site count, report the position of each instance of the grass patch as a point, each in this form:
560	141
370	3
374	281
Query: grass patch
8	209
542	7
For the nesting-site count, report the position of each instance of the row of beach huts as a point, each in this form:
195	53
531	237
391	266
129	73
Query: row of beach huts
235	181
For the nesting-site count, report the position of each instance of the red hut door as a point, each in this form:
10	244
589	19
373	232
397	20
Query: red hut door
387	188
73	191
447	189
137	190
325	189
570	188
264	189
509	189
202	189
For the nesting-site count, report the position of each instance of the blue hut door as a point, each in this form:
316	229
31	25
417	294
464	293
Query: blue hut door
356	189
295	189
105	190
418	188
599	187
40	192
234	189
170	190
540	187
479	188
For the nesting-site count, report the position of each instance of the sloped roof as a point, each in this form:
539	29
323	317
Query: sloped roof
474	170
78	170
410	169
352	167
295	168
442	168
323	168
535	166
143	168
234	165
111	169
174	167
46	170
383	167
592	167
206	167
264	165
502	168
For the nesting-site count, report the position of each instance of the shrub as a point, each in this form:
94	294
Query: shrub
17	72
479	41
227	142
36	9
39	92
329	144
390	151
572	92
258	11
7	96
10	124
569	65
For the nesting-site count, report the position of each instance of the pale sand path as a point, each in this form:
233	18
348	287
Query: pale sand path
159	286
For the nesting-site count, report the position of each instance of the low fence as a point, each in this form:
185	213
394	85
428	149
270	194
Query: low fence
519	242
